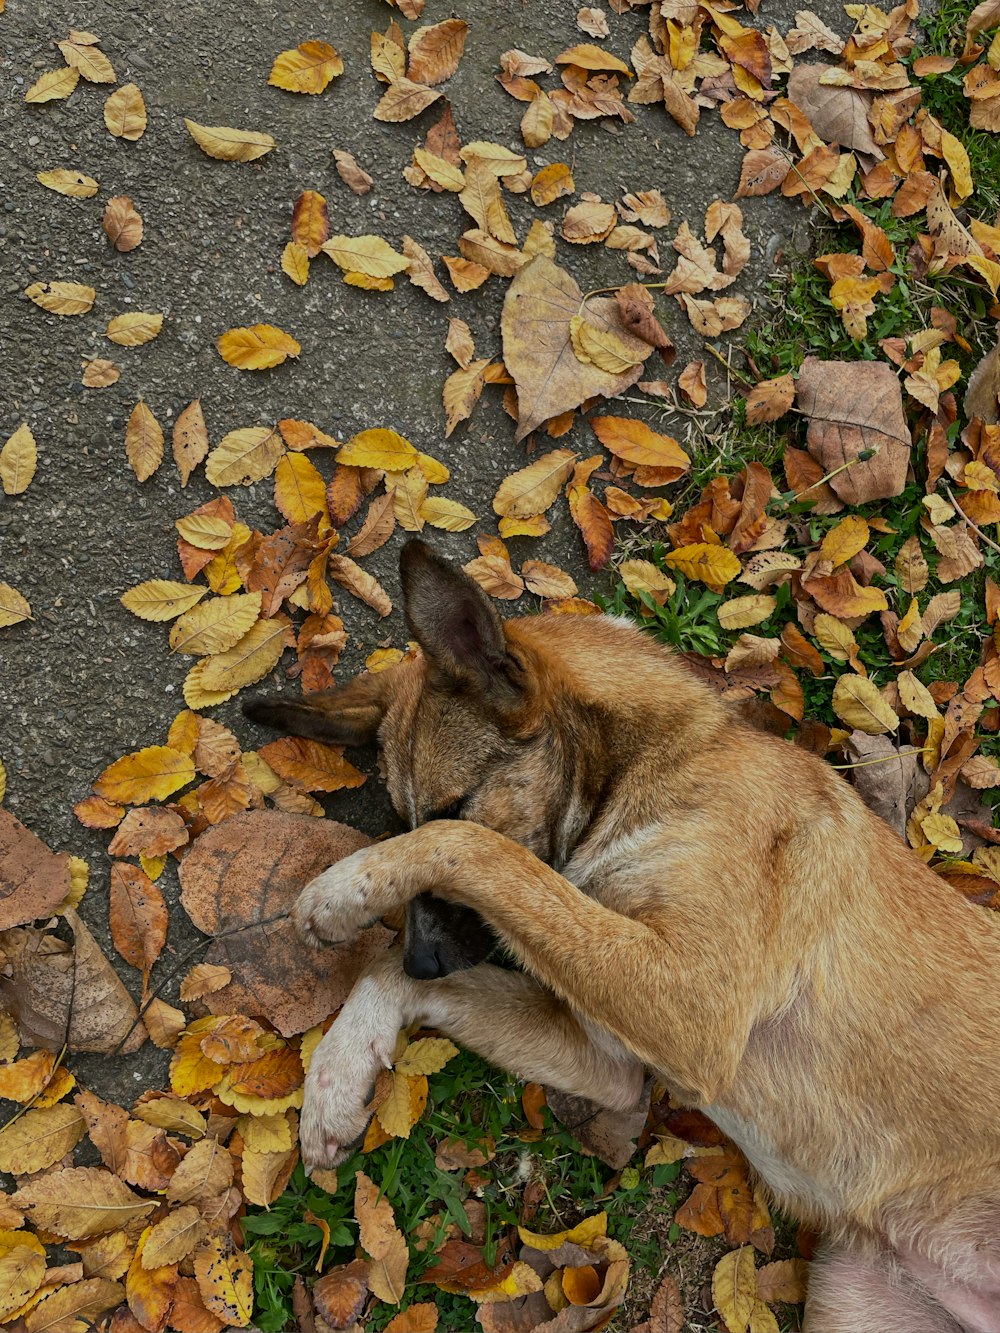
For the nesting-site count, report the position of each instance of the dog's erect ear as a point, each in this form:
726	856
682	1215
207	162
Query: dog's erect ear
452	619
349	716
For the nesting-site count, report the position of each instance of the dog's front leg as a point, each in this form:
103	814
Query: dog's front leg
506	1017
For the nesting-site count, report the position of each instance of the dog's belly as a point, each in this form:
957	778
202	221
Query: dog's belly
793	1188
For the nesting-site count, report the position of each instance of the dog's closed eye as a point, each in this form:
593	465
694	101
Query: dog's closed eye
450	811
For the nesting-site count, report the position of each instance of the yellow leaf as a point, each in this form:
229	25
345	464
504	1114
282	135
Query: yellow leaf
295	263
22	1270
449	515
762	1319
409	491
403	100
426	1056
584	1233
954	153
72	183
462	389
591	57
160	599
441	171
13	607
942	832
249	660
125	113
172	1239
244	456
368	283
256	348
143	442
551	183
643	576
265	1133
915	697
221	573
216	625
151	774
229	145
844	541
378	447
40	1138
61	298
857	702
307	68
714	565
634	442
535	525
209	532
81	1201
602	348
501	161
741	612
225	1280
54	85
134	328
265	1174
18	461
299	489
734	1288
532	489
404	1106
79	877
89	59
4	1019
370	255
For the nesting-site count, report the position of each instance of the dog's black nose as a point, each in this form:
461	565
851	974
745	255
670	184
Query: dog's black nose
422	964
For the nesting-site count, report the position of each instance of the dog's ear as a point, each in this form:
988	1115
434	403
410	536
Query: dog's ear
348	716
453	620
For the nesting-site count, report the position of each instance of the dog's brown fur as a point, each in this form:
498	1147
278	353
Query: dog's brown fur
693	897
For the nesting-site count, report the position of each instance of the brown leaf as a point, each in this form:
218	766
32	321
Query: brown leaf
249	870
340	1294
434	51
279	562
190	440
61	993
762	171
122	223
149	831
540	304
345	571
421	271
310	222
376	529
853	407
838	115
350	173
770	399
594	522
33	880
138	916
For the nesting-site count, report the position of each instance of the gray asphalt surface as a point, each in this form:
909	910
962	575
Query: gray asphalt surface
86	681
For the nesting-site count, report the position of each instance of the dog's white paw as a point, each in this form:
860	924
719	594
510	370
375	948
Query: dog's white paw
336	905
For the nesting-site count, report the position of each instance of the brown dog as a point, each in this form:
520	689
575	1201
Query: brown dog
687	896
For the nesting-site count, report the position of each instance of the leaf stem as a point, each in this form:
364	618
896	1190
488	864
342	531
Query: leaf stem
974	526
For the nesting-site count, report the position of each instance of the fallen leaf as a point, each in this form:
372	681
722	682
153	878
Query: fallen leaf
434	52
538	311
306	68
134	328
122	223
125	113
256	348
61	298
229	145
143	442
66	181
855	407
18	461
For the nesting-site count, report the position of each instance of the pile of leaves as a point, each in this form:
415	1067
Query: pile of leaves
856	550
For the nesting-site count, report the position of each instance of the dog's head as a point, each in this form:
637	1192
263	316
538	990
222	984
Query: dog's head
463	732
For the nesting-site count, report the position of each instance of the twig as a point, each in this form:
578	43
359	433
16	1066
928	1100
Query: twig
886	759
974	526
730	368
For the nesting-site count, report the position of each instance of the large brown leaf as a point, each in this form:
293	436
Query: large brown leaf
236	880
855	406
33	880
61	993
538	352
838	115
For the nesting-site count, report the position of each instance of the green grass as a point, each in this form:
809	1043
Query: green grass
469	1100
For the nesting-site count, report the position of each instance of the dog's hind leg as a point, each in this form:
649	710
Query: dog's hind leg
869	1291
506	1017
